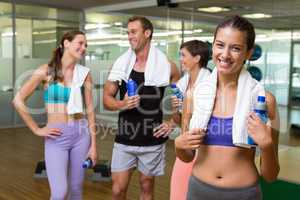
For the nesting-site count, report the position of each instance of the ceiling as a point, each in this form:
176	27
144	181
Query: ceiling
73	4
285	13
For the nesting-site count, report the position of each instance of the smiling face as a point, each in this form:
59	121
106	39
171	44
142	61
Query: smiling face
188	62
137	36
230	50
77	47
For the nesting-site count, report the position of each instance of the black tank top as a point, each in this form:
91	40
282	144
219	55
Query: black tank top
135	126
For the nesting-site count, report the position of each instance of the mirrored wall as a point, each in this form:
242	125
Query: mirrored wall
28	37
6	64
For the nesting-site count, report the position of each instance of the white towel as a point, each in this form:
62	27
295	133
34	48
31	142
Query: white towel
184	80
75	104
204	98
157	70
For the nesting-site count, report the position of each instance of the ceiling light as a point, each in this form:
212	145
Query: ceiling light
96	36
90	26
106	42
257	16
118	23
103	25
163	43
213	9
96	26
168	33
45	41
198	31
187	32
8	34
43	32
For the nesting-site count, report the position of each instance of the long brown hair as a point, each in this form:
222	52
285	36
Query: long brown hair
55	64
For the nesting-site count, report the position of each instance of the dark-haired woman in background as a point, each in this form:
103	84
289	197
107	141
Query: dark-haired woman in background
223	170
194	56
69	137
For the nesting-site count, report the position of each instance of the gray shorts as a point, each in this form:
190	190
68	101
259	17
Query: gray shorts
149	160
200	190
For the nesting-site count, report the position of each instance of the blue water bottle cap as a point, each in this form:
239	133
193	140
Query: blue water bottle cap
87	163
261	98
173	85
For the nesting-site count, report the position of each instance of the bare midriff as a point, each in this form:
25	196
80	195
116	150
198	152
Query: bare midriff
227	167
57	113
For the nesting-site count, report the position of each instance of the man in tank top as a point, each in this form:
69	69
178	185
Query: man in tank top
137	145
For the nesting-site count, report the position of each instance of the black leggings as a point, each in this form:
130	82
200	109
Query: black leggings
199	190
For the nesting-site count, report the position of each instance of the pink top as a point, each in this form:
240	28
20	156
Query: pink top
180	179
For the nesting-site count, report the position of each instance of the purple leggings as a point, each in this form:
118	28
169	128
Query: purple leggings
64	156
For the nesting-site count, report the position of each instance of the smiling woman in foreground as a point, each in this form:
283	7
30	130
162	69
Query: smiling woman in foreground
223	169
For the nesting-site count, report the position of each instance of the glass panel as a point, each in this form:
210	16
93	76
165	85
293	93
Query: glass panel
296	59
295	90
41	12
196	30
6	67
107	39
43	38
275	62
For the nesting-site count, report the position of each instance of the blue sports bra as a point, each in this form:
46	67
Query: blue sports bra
56	93
219	132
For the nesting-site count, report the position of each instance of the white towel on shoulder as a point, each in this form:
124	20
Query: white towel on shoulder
157	70
204	98
75	104
184	80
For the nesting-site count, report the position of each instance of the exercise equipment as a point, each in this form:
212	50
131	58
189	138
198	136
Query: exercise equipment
295	129
209	50
255	72
101	171
257	52
40	170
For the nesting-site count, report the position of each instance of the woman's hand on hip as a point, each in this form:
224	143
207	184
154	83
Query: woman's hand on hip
48	132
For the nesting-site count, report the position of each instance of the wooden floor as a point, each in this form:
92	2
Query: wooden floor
20	150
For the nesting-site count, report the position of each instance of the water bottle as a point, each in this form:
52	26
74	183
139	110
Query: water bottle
88	163
176	91
131	87
260	109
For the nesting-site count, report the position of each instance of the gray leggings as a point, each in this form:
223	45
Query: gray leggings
199	190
